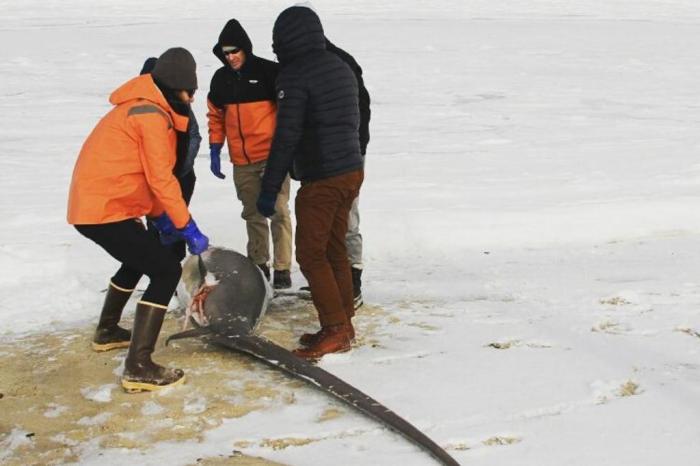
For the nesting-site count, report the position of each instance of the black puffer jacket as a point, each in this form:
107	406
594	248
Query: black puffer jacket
317	105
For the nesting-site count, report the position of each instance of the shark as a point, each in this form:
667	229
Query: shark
230	295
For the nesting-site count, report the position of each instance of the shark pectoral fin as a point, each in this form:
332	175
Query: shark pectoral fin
195	332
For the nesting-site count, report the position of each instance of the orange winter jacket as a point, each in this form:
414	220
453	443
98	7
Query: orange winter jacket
248	127
125	168
242	104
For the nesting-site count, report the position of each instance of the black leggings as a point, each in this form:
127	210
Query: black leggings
140	253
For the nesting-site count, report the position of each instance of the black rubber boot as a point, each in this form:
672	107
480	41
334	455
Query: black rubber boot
109	335
356	287
282	280
140	372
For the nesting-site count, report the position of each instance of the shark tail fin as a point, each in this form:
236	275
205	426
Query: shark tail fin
274	355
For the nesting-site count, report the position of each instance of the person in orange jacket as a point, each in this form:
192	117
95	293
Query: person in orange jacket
123	173
242	110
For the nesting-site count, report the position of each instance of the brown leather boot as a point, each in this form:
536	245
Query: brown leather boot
109	335
331	339
310	339
140	372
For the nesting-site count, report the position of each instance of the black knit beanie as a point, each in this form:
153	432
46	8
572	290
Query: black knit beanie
176	69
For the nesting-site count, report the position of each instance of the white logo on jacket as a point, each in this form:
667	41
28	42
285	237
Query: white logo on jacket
280	94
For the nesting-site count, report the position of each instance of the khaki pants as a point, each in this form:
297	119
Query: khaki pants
247	179
322	209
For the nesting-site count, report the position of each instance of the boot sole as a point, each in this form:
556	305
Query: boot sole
357	302
317	357
140	387
102	347
311	343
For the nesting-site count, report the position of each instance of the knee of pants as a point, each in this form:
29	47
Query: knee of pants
251	214
126	277
168	274
310	258
281	209
338	260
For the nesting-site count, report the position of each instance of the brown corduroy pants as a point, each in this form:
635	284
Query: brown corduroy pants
322	209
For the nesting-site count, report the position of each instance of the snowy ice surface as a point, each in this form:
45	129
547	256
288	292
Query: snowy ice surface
532	177
101	394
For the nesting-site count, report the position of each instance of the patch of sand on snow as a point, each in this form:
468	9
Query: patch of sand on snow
59	394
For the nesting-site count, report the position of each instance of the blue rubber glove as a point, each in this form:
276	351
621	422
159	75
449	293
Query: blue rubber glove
215	162
166	230
266	203
197	242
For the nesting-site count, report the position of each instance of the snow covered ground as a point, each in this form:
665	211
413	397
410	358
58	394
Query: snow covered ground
529	212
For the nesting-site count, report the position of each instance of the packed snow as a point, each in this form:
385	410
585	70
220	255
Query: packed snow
529	214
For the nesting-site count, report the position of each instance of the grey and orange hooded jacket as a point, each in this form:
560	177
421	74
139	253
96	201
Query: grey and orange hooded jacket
125	167
241	104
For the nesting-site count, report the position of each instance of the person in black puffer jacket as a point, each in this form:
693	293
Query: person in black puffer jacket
353	238
317	140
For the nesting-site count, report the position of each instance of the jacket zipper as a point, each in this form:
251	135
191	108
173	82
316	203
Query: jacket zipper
238	115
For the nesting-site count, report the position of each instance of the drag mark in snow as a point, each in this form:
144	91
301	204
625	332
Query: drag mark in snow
615	301
608	326
287	442
604	392
689	331
329	414
390	359
495	440
501	440
506	344
613	327
459	446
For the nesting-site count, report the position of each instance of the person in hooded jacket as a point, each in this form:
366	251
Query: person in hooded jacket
317	140
353	238
187	147
124	172
242	108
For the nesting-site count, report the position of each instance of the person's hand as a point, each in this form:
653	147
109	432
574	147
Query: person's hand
197	242
266	203
215	162
166	230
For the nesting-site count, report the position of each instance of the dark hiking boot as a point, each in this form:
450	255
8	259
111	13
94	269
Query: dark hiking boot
282	280
109	335
265	270
331	339
356	287
140	372
310	339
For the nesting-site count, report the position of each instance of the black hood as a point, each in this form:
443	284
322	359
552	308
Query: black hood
232	34
297	31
